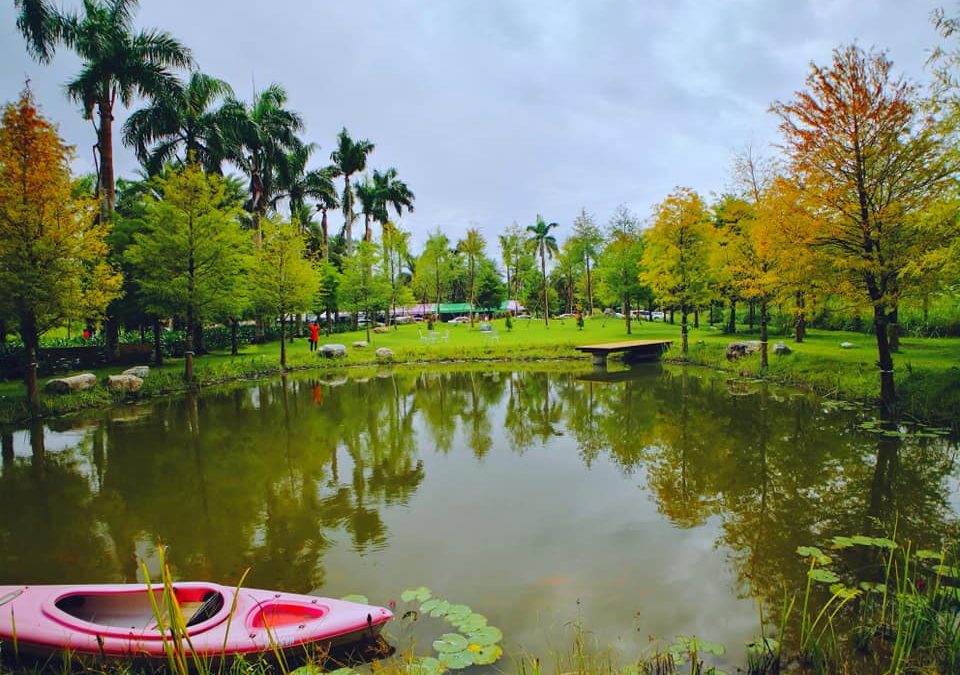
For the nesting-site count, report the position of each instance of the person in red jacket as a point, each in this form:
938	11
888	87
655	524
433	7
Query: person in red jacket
314	336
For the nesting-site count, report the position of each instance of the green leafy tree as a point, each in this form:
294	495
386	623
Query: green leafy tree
53	264
327	300
491	291
186	118
513	255
618	265
285	280
117	63
434	268
472	246
349	157
586	243
675	256
396	250
365	288
192	250
544	243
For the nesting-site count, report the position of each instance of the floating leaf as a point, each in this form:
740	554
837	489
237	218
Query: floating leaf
420	594
924	554
471	622
842	542
356	597
425	666
824	576
487	635
844	592
815	553
947	571
435	607
711	647
311	670
450	642
872	587
458	611
457	660
487	654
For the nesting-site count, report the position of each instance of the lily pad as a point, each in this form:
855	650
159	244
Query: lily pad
487	635
815	553
470	623
457	660
420	594
458	612
435	607
428	665
356	597
924	554
450	643
824	576
487	654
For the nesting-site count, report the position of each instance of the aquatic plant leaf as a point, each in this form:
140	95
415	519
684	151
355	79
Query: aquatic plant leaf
763	646
427	665
947	571
457	660
356	597
470	623
420	594
872	587
711	647
924	554
487	635
440	609
435	604
842	542
312	670
823	576
813	552
459	611
450	642
487	654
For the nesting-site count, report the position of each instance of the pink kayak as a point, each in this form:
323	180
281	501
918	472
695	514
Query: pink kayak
118	620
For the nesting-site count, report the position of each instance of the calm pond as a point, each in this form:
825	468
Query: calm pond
664	501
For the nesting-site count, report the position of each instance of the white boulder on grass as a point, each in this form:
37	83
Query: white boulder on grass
62	385
138	371
333	351
384	355
124	382
360	344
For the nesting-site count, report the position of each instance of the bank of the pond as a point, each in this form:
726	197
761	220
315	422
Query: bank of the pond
928	370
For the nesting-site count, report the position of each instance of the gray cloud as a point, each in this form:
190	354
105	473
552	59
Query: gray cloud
495	110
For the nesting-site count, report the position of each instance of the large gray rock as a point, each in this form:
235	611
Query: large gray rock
333	351
62	385
124	382
360	344
781	349
737	350
384	355
138	371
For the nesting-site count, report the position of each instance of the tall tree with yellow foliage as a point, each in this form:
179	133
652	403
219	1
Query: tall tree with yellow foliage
53	253
871	161
675	258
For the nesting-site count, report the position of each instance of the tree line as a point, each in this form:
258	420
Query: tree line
859	207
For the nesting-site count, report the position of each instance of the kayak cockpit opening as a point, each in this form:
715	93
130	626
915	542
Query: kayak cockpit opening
134	610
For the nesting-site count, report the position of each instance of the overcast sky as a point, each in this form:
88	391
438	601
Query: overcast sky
492	110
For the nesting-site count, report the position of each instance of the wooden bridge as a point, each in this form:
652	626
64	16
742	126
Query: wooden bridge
633	350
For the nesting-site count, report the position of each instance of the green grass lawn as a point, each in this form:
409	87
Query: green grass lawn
928	370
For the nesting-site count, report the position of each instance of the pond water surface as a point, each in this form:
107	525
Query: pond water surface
652	502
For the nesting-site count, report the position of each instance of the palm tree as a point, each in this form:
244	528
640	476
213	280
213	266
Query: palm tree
258	138
184	117
389	191
437	249
116	63
544	243
366	192
349	158
472	246
326	200
296	184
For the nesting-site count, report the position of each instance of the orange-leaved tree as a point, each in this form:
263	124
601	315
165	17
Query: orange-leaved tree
53	253
870	160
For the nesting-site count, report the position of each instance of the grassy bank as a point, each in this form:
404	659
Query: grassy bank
928	369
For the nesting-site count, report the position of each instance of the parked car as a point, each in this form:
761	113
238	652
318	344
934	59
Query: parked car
658	315
523	316
459	319
565	315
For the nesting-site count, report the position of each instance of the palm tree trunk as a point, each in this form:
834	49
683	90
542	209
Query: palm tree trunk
367	232
324	242
347	214
105	144
546	295
472	291
589	288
